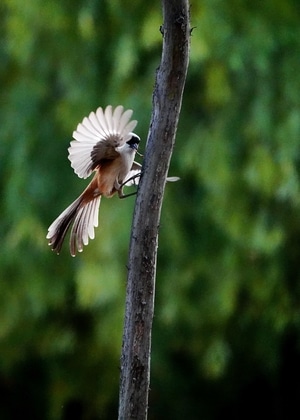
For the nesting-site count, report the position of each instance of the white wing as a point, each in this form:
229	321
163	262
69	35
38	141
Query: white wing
97	137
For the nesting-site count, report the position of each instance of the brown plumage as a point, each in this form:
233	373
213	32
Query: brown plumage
105	144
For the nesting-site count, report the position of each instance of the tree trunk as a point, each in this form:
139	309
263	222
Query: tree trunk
167	98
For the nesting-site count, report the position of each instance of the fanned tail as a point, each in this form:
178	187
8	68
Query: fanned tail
84	216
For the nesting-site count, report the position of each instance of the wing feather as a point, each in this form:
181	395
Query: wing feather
98	136
98	122
109	119
117	118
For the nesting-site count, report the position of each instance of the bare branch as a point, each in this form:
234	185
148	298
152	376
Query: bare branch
167	98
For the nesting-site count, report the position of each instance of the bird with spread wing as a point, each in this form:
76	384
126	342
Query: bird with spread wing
105	144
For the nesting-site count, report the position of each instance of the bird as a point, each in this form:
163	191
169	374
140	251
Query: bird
104	144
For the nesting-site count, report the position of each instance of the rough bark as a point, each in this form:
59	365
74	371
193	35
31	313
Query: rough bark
167	98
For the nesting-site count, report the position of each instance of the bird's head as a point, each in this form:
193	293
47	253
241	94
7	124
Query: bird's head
134	141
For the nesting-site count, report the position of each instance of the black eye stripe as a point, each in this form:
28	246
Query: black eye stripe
134	140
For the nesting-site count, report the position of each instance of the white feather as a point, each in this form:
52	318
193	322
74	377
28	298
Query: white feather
98	126
84	225
109	119
116	118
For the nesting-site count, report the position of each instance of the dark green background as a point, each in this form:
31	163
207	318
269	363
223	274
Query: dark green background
227	320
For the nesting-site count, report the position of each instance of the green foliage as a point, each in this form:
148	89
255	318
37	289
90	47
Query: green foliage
227	320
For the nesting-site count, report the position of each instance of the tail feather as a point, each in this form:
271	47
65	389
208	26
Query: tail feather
85	221
84	217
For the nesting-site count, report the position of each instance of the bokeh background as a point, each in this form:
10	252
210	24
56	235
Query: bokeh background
226	332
